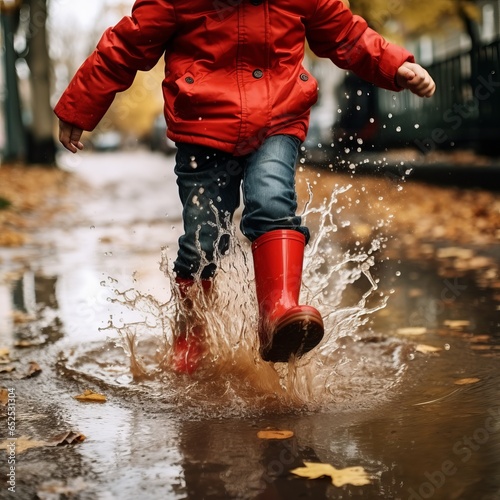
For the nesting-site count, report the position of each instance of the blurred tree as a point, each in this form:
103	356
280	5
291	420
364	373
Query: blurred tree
41	144
407	18
33	139
134	111
15	147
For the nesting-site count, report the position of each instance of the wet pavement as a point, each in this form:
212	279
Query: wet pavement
406	383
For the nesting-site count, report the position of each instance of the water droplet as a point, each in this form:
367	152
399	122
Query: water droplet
389	115
416	125
447	347
302	160
92	227
398	129
372	120
398	273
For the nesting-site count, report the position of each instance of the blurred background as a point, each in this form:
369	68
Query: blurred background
44	42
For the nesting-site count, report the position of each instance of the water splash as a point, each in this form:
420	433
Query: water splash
348	367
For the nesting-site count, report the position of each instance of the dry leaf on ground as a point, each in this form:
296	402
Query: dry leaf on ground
24	443
457	323
274	434
467	381
33	370
412	330
91	396
27	343
425	349
67	437
7	369
356	476
4	396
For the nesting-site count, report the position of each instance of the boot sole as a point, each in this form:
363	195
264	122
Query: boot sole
295	336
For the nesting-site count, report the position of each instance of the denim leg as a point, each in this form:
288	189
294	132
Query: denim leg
209	187
269	188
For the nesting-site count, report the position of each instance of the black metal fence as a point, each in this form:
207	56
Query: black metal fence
465	110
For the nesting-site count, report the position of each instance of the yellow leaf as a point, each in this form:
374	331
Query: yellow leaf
412	330
425	349
33	370
22	444
4	396
356	476
92	396
457	323
27	343
274	434
467	381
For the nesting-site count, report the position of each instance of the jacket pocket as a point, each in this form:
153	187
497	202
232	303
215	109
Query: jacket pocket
203	95
308	86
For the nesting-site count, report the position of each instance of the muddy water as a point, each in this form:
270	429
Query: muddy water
424	423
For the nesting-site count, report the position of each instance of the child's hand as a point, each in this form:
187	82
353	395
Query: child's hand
69	136
413	77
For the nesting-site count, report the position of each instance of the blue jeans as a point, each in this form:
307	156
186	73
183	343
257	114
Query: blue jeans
209	183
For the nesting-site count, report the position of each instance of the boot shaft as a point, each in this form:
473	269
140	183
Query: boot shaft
278	259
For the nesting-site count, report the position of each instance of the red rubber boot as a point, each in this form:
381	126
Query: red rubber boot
188	345
285	328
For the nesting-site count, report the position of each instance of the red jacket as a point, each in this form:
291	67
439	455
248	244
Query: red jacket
233	68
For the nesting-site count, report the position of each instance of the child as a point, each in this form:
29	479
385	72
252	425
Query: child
237	102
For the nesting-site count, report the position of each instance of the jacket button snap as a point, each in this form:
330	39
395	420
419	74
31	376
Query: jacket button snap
189	79
256	2
258	73
304	77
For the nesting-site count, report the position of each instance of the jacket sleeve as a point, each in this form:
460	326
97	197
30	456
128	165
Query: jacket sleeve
136	43
334	32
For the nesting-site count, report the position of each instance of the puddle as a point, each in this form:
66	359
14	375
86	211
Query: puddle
98	313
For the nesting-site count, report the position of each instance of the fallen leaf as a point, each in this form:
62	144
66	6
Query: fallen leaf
456	323
68	437
454	252
274	434
7	369
425	349
467	381
356	476
33	370
91	396
412	330
4	396
27	343
24	443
